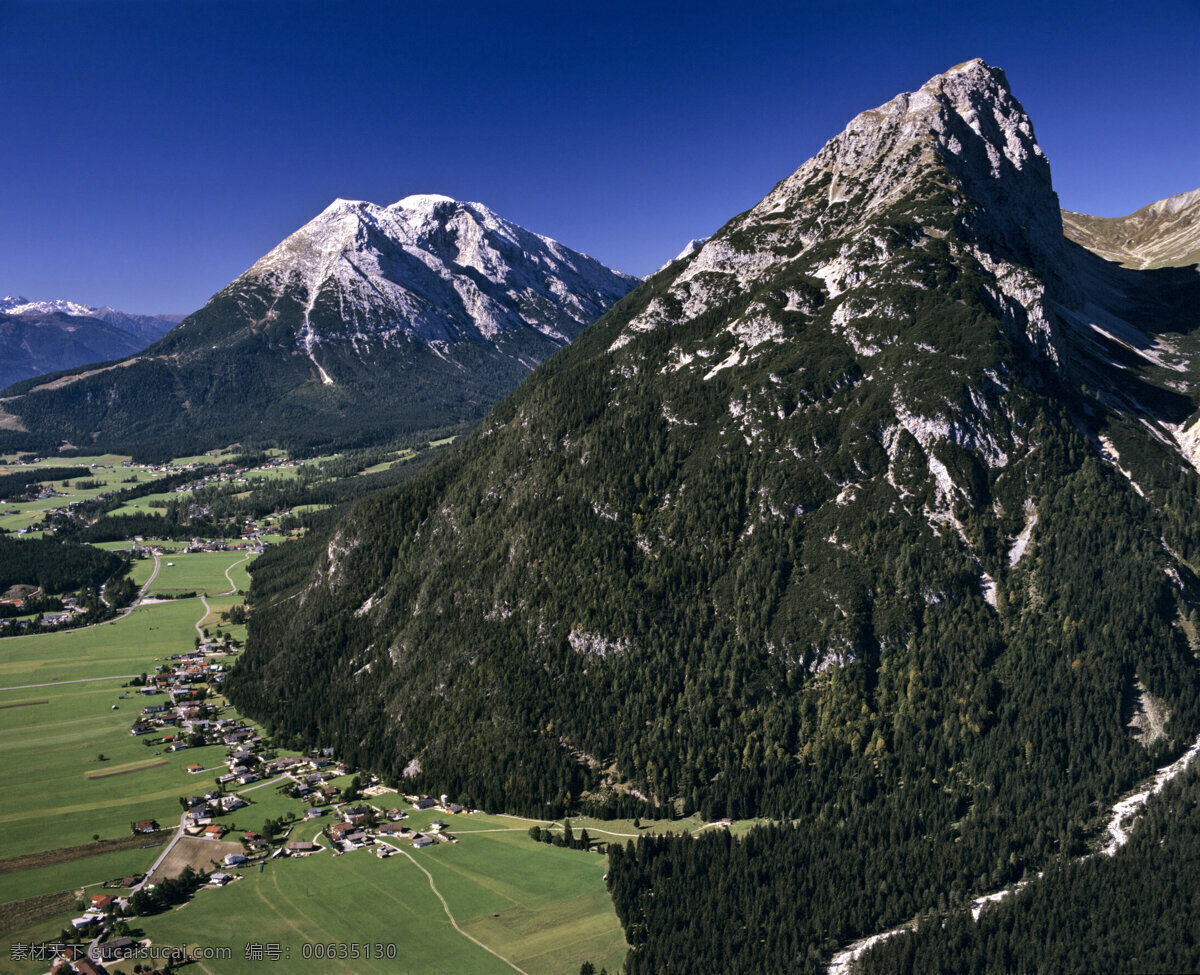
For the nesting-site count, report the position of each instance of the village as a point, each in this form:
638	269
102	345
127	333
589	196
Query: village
205	850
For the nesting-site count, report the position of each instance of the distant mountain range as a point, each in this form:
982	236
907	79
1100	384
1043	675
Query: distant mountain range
874	515
38	337
368	323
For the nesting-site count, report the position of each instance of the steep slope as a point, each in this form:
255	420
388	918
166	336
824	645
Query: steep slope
369	322
1163	234
33	344
870	515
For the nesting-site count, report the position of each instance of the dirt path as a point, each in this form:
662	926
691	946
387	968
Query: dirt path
454	923
1121	823
232	585
207	613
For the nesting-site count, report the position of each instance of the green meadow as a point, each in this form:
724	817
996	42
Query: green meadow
108	471
62	876
544	909
200	572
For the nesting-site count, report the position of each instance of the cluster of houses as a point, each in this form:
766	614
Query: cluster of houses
184	708
363	826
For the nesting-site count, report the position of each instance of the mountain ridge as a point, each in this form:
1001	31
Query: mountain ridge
1165	233
42	337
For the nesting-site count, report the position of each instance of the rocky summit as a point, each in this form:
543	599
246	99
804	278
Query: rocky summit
366	324
809	526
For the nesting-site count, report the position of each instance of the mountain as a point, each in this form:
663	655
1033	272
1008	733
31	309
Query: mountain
146	328
34	344
38	337
1163	234
368	323
875	516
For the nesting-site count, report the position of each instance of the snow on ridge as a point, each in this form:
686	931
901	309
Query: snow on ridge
432	268
17	305
422	200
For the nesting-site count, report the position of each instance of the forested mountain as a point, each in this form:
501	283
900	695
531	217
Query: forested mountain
366	324
875	515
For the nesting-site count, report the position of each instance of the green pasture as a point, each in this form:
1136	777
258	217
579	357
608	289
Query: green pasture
50	749
51	753
552	911
200	572
120	647
78	873
109	471
212	457
146	503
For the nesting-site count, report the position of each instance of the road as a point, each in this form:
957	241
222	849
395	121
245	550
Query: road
162	856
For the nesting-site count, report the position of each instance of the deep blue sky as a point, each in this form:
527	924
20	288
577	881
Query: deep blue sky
152	151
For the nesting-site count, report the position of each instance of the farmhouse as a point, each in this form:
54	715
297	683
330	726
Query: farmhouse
301	847
145	826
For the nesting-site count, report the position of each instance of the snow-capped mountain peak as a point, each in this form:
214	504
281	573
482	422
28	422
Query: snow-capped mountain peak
432	269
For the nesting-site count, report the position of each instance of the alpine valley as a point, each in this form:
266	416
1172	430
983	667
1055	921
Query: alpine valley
368	324
873	516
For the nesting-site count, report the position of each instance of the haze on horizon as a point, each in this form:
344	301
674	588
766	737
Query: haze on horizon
159	150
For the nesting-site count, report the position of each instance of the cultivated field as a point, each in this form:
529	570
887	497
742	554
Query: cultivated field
199	572
195	852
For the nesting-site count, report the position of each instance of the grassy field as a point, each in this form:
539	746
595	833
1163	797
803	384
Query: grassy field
59	793
64	876
107	469
200	572
542	908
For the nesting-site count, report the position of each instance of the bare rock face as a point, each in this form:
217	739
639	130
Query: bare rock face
958	158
